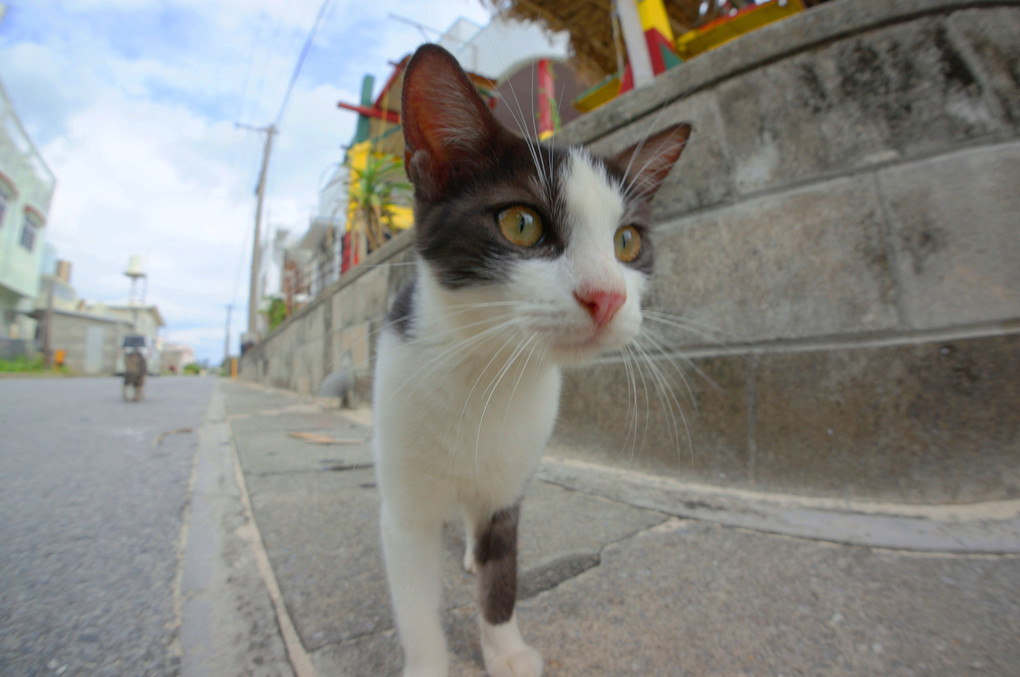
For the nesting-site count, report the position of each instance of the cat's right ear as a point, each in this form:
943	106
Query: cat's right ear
647	163
447	126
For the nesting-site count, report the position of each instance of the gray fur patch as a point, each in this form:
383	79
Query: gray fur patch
496	558
402	311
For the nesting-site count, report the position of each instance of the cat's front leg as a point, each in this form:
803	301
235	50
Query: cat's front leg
412	548
503	648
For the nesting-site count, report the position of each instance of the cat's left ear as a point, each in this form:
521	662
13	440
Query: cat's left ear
647	163
447	127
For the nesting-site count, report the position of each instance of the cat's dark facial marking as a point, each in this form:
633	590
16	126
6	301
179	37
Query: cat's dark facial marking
460	235
467	170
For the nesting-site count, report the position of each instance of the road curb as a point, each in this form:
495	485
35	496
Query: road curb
228	620
991	528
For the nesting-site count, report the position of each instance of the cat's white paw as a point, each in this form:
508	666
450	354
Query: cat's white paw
469	561
505	653
526	662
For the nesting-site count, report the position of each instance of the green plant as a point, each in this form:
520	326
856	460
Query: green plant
374	188
277	312
22	364
193	368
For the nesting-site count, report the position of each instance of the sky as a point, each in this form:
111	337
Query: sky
133	103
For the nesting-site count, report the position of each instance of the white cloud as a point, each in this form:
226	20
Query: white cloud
132	104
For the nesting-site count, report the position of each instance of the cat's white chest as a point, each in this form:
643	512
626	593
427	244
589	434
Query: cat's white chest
469	426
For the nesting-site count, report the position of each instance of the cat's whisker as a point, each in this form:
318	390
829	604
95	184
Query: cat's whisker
661	345
498	378
481	373
521	120
682	319
662	352
699	329
662	349
481	304
491	389
631	355
633	406
643	184
665	392
433	336
652	128
534	147
520	376
539	145
454	352
462	308
647	401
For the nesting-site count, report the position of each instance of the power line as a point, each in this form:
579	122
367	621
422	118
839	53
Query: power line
269	131
301	57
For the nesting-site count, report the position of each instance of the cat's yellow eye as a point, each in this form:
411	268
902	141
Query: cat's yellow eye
520	225
628	243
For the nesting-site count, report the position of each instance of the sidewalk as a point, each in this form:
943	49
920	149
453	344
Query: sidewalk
623	574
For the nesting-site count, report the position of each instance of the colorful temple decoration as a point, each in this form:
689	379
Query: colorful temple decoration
721	31
666	52
659	41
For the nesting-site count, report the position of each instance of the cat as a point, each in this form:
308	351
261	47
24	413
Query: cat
528	257
134	375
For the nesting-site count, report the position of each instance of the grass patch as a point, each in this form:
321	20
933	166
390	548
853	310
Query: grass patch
22	365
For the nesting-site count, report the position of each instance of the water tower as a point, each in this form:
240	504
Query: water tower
134	271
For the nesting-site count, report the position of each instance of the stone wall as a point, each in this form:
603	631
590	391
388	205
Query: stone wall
837	298
342	320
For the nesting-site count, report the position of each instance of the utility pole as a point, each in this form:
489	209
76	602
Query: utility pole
260	189
226	341
256	247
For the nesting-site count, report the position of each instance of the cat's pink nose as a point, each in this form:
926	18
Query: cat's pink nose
601	305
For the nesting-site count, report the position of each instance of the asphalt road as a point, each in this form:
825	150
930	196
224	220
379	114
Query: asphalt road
93	492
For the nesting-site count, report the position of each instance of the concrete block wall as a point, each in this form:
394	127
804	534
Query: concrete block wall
836	308
337	328
837	297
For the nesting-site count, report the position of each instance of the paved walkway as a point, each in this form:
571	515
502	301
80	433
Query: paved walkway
623	574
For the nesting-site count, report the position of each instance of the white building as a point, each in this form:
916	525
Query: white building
26	188
503	47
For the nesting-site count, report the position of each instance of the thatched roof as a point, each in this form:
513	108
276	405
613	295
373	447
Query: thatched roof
590	24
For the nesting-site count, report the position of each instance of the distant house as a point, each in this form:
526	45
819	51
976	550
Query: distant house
88	341
26	188
83	337
87	335
176	356
145	320
56	288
